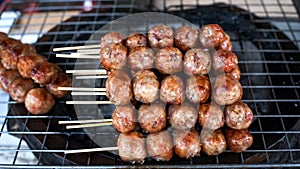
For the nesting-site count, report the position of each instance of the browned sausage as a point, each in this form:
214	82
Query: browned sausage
211	116
186	38
225	44
124	118
211	35
172	90
27	63
132	147
111	37
19	88
182	116
214	144
186	143
160	146
169	60
160	36
140	58
39	101
224	61
238	140
197	61
145	86
44	73
235	73
136	40
119	88
238	116
198	89
113	56
152	117
6	79
226	90
62	80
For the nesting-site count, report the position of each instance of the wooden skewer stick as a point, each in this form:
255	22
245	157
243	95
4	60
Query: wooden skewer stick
92	77
84	121
91	150
82	89
75	48
89	102
84	72
89	51
77	56
88	93
88	125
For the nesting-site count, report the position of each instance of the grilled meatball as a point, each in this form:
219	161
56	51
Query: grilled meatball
19	88
39	101
62	80
186	143
111	37
152	118
140	58
197	61
169	60
113	56
225	44
224	61
6	78
214	144
198	89
160	146
238	140
226	90
186	38
10	57
136	40
211	35
124	118
235	73
161	36
211	116
118	88
145	86
27	63
132	147
172	90
44	73
238	116
183	116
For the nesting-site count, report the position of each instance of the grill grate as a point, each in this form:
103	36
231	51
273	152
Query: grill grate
268	58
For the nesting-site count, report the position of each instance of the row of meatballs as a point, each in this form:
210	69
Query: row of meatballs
24	74
161	146
146	88
157	50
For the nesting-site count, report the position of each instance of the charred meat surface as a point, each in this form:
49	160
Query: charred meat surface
132	147
124	118
152	117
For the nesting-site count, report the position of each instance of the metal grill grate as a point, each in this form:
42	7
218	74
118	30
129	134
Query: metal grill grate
265	35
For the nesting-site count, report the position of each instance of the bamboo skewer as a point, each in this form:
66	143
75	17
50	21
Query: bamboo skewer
86	89
75	48
78	56
88	125
87	72
89	102
88	93
84	121
91	150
